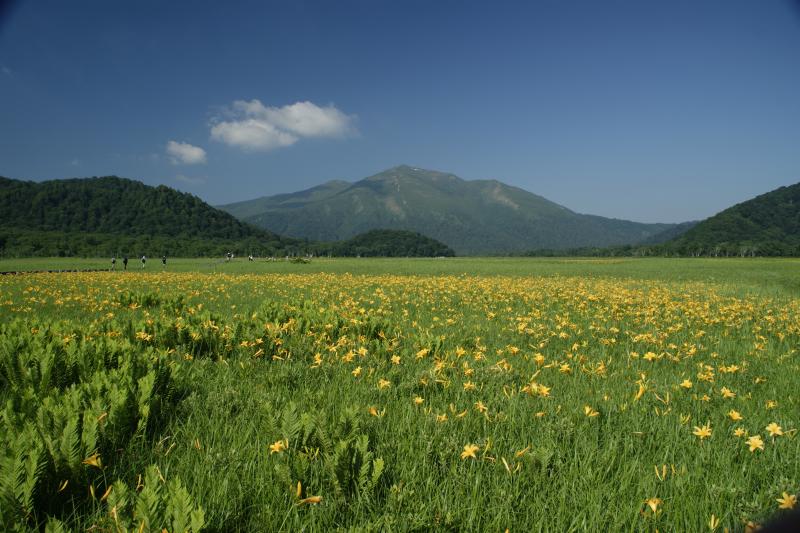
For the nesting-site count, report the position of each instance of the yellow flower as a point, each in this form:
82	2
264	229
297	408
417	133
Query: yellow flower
640	392
787	501
702	432
384	383
734	415
357	371
727	393
423	352
653	503
469	385
755	443
740	432
418	400
686	384
480	407
774	429
469	451
590	412
311	500
93	460
143	336
278	446
395	359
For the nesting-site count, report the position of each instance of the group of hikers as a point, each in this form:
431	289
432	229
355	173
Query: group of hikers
230	256
143	260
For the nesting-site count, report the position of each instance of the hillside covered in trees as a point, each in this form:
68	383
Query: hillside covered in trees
768	224
387	243
115	216
111	215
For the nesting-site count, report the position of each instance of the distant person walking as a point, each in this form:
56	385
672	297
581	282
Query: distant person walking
250	257
125	263
113	263
164	261
144	260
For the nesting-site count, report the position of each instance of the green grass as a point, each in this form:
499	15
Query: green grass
266	353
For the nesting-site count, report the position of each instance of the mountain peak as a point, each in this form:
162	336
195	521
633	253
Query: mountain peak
471	216
408	171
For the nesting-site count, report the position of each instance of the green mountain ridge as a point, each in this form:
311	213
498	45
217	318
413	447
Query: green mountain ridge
768	224
472	217
117	216
255	207
72	216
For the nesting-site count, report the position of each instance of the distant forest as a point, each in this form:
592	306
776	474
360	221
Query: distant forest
767	225
386	243
112	216
115	216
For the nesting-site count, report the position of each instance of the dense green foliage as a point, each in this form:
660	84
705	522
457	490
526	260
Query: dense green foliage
74	403
116	216
472	217
387	243
767	225
20	243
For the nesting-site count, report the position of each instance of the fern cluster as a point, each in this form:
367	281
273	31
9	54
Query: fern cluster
339	462
71	403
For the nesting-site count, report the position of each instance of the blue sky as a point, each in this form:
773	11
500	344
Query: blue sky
651	111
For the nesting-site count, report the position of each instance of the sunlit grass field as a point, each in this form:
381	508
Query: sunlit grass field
403	395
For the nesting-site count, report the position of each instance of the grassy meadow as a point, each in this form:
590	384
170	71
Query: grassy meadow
465	394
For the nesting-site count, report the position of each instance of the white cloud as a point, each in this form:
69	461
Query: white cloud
253	126
185	153
251	134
